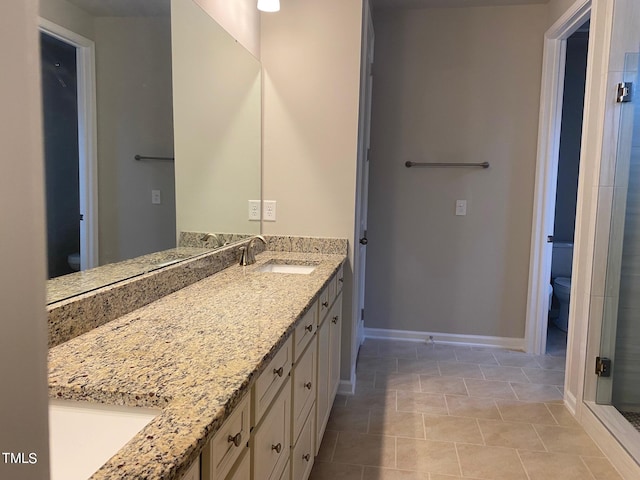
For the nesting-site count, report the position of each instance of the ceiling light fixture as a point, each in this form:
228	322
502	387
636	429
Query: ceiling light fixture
269	5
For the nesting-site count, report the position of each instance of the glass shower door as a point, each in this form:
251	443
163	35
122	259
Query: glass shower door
620	336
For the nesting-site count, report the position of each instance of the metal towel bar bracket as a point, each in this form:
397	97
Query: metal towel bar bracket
447	165
142	157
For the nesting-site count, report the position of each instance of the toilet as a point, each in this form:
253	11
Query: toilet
74	261
561	278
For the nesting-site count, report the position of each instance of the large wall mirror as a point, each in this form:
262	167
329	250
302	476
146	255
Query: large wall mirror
164	151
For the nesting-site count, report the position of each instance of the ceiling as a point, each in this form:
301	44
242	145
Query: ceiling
125	8
450	3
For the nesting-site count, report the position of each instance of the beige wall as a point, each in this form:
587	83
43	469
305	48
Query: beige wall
311	61
68	16
23	340
135	116
475	100
240	18
557	8
217	125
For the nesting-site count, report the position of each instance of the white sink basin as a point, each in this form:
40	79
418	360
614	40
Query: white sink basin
282	268
83	435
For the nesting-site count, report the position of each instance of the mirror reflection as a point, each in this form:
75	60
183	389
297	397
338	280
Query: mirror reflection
197	85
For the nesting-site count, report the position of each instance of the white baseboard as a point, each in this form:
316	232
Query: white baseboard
570	402
346	387
610	446
449	338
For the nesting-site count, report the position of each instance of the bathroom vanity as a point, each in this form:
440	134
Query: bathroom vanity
242	365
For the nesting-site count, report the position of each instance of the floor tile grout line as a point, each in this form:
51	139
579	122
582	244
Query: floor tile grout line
533	425
552	415
455	446
524	468
484	441
593	476
335	446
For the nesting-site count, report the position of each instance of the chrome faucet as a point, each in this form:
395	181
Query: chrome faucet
248	256
210	236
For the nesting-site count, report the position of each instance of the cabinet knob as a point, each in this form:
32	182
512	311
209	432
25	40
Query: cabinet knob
306	457
325	304
309	328
235	439
278	371
307	385
334	320
277	448
341	279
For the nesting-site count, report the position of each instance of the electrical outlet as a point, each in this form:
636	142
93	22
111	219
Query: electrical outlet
155	197
254	209
461	207
269	211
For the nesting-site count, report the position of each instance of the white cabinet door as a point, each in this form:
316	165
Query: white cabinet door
272	440
242	471
302	455
322	398
335	329
304	388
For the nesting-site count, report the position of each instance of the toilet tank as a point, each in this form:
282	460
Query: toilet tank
561	259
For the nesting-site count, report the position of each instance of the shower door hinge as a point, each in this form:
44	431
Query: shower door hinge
603	367
624	92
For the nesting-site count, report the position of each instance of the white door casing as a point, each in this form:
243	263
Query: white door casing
362	187
553	68
87	138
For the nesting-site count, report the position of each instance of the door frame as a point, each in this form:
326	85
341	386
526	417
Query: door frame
549	124
362	181
87	138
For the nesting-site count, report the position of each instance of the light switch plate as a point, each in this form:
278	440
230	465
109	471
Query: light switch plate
461	207
269	211
254	209
155	197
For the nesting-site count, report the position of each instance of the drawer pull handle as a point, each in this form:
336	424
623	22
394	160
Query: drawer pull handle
278	371
236	439
306	457
307	385
277	448
325	304
309	328
334	320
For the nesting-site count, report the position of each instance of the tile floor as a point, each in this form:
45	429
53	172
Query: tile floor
437	412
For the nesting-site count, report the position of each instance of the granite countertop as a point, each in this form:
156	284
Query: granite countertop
194	353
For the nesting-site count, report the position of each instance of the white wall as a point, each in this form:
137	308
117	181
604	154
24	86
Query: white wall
23	337
476	100
135	116
217	125
240	18
311	60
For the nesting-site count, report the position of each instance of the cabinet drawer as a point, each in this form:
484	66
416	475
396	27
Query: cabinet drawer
194	471
286	472
339	280
302	455
304	331
323	307
272	439
332	288
271	379
304	388
242	470
229	442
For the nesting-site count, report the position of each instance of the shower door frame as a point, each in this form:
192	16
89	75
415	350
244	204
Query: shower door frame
87	138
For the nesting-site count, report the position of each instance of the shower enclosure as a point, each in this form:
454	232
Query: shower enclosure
618	383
